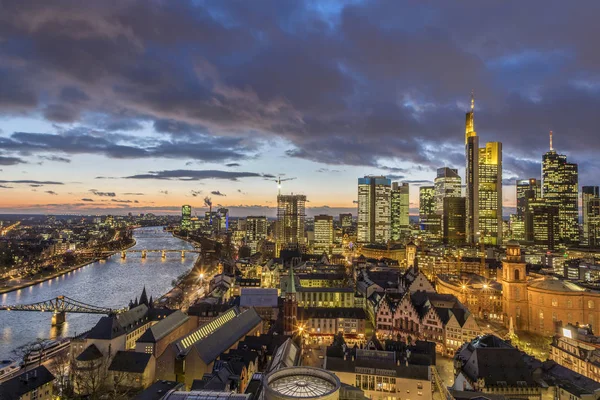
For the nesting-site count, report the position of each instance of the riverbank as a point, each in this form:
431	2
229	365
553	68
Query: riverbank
40	279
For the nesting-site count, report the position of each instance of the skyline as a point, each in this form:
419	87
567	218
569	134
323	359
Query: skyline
100	114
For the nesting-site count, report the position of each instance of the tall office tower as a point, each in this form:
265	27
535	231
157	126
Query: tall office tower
542	223
399	205
593	215
256	228
323	232
374	209
290	220
588	193
472	175
346	220
527	189
429	221
560	188
447	184
454	220
186	217
490	193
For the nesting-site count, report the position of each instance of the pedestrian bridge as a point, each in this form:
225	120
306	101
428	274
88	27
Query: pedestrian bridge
59	306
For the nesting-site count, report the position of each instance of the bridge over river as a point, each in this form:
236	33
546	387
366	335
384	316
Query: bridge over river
109	284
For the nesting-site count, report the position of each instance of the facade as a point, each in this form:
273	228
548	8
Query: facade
346	220
454	220
447	184
256	229
323	233
576	348
35	384
429	220
490	193
290	220
186	217
330	321
590	199
481	296
527	190
374	216
471	175
542	226
399	205
560	188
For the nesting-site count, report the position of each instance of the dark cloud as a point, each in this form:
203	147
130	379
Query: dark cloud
52	192
164	192
217	193
32	182
86	199
233	164
56	158
195	175
196	193
124	201
133	194
11	160
103	194
5	187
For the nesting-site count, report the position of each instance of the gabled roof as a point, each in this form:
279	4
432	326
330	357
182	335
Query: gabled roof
89	354
163	327
130	361
22	384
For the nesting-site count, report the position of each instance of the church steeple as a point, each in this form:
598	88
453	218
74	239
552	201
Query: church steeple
470	120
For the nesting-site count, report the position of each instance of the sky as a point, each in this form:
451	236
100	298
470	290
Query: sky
124	106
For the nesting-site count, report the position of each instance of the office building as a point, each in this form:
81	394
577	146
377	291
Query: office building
399	205
323	233
472	175
542	223
429	221
454	220
527	189
590	201
560	189
290	220
447	184
186	217
374	209
490	193
256	231
346	220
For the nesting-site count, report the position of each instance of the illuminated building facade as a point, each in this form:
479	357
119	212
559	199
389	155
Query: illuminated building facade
447	184
590	196
560	189
374	216
256	231
323	233
526	190
429	221
490	193
186	217
542	223
399	204
290	220
346	220
472	175
454	220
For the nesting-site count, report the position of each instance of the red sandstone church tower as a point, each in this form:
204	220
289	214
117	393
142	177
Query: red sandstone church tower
290	306
514	289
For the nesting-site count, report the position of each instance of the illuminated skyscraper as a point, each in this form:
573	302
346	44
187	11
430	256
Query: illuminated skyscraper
346	220
490	193
590	196
447	184
526	190
560	188
399	209
374	209
256	228
290	220
323	233
429	221
542	223
186	217
472	175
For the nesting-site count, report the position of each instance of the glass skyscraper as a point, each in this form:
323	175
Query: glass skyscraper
399	208
590	201
374	214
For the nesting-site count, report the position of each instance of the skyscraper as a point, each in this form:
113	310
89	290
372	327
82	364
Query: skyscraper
560	188
429	221
186	217
346	220
374	209
527	189
323	233
290	220
472	175
399	208
542	223
454	220
490	193
593	211
589	217
447	184
256	228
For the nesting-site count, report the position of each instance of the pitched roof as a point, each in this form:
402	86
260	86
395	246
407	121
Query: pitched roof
90	353
158	390
163	327
258	297
18	386
130	361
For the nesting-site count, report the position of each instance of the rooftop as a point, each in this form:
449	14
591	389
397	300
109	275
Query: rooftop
20	385
556	285
301	382
130	361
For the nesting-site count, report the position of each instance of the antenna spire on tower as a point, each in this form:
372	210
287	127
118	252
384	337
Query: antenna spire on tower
472	100
551	147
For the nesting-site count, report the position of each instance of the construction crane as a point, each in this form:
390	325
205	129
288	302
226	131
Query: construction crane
279	180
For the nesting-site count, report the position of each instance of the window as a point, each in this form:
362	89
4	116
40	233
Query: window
517	274
590	303
569	304
554	303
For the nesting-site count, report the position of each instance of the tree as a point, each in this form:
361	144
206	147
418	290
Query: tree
60	368
89	376
26	351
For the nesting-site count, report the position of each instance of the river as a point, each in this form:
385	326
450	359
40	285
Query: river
110	283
